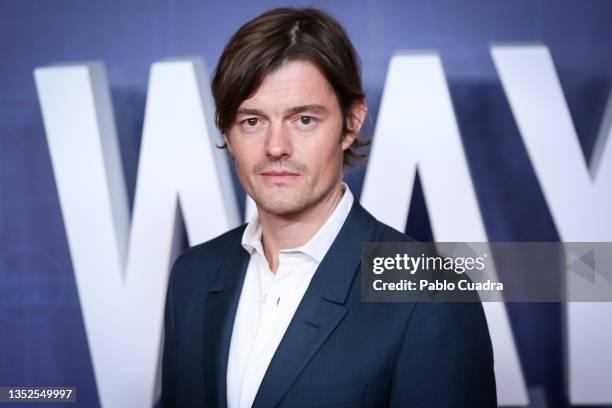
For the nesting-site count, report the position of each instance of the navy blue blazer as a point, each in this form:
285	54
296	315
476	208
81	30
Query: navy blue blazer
337	350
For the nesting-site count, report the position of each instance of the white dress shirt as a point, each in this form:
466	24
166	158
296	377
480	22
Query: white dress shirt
268	302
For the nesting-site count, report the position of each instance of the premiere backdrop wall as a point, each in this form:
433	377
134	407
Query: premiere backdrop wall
482	57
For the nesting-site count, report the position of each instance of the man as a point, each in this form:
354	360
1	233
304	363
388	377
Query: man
269	314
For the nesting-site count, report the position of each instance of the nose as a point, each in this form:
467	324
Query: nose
278	142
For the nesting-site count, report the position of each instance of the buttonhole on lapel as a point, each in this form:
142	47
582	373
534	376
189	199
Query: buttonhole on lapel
277	301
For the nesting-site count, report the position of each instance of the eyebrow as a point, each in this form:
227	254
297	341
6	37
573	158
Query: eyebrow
314	108
245	111
320	109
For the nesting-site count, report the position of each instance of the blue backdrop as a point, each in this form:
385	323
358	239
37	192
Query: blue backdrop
42	337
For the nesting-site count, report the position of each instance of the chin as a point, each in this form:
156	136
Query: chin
281	207
280	202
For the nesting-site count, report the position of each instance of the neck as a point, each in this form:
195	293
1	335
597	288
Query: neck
293	230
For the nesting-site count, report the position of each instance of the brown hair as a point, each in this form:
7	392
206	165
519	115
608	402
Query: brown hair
284	34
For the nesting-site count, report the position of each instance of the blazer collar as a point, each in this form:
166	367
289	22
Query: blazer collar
218	320
234	265
336	271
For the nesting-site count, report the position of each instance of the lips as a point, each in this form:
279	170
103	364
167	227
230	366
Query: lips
279	176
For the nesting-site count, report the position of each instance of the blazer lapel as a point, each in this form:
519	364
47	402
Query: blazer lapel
219	315
321	310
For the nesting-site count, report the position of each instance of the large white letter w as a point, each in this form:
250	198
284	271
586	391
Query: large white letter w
122	270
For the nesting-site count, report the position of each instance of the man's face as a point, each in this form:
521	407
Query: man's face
286	140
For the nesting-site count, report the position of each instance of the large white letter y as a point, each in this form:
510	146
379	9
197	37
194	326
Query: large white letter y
416	127
579	196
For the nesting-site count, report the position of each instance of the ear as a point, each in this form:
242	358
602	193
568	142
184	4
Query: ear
355	118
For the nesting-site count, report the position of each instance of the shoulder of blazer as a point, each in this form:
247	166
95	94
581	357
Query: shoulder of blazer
200	262
382	232
385	233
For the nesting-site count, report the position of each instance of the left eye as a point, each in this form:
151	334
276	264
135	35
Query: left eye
306	120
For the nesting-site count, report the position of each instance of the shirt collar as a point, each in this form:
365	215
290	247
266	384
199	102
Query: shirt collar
319	244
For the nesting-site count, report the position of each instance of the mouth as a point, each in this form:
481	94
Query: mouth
276	177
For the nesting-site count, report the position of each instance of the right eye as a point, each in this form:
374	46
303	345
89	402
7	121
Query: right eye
251	122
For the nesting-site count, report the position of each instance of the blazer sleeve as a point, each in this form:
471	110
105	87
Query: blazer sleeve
169	369
446	358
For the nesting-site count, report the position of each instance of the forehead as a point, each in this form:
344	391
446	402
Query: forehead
294	83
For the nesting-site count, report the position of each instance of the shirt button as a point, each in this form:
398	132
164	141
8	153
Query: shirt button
262	298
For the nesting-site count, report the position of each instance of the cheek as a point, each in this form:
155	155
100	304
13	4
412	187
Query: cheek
326	159
243	155
242	166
